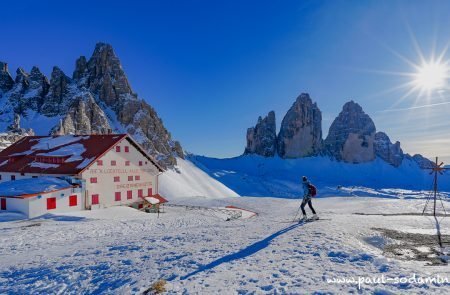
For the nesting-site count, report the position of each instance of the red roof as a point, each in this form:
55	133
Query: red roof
160	198
77	153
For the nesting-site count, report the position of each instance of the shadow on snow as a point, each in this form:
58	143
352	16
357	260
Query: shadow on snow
249	250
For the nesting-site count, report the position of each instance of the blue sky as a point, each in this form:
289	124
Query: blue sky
210	68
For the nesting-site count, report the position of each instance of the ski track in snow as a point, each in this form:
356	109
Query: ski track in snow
122	251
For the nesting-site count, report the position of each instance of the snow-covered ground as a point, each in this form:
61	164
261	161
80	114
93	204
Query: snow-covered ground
253	175
120	250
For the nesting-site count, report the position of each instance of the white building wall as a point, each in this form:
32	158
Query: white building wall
37	205
106	187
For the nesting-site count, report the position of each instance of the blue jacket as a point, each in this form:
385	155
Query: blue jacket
306	188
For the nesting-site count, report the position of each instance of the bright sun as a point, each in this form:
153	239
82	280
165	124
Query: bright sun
431	76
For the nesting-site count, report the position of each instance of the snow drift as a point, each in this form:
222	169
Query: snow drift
187	180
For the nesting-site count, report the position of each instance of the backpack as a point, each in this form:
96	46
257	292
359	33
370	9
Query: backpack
312	190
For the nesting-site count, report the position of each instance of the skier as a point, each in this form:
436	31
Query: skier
308	194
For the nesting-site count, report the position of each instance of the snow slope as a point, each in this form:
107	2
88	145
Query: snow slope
123	251
187	180
253	175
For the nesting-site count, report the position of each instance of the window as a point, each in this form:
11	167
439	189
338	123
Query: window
95	199
116	178
140	163
145	162
23	174
99	163
118	148
118	196
93	180
51	203
3	204
137	177
150	192
130	178
34	176
140	193
0	177
73	200
113	163
127	149
129	195
13	177
127	163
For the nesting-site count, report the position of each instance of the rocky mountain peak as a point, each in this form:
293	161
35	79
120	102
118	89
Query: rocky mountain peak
351	135
80	68
388	151
301	129
21	76
105	76
6	81
262	139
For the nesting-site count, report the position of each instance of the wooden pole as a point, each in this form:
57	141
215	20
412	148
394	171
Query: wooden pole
435	188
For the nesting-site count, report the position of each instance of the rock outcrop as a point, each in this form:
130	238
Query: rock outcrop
301	129
351	135
262	139
388	151
6	81
97	99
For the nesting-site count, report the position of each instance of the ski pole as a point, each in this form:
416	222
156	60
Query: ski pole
296	214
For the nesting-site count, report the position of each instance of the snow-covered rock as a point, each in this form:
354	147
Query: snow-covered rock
262	139
351	135
301	129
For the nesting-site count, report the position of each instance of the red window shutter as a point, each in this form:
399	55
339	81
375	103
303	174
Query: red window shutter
116	178
129	195
93	179
118	148
51	203
95	199
73	200
127	149
150	191
130	178
13	177
3	204
118	196
140	163
99	163
140	193
127	163
137	177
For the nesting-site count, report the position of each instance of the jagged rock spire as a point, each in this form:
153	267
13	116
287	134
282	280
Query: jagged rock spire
6	81
262	139
351	135
301	129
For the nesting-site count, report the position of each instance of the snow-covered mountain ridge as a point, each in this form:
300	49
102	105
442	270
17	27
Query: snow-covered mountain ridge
253	175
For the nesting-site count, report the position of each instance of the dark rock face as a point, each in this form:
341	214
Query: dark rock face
6	81
262	139
83	117
301	130
386	150
98	99
351	135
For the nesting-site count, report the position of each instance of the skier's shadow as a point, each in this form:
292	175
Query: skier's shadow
249	250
